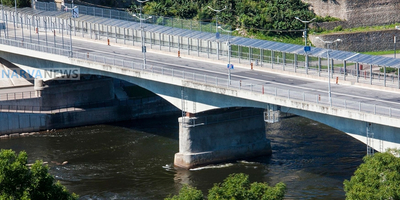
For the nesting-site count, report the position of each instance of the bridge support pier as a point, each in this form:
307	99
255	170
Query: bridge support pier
219	138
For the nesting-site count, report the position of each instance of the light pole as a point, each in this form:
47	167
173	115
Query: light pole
216	15
228	43
70	27
328	43
395	40
305	38
142	32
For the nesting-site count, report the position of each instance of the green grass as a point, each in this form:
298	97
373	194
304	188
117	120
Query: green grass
357	29
379	53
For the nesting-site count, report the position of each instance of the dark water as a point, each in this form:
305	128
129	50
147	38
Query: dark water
133	160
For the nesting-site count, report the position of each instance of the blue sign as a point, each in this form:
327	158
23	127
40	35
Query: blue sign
307	48
229	66
217	35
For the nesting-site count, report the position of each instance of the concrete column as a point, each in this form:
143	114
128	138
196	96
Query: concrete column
370	74
218	50
319	66
384	76
38	86
358	71
272	59
344	70
219	140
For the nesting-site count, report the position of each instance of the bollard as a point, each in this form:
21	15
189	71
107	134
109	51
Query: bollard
179	54
54	31
365	74
240	83
251	64
87	55
263	89
108	41
319	97
37	30
337	80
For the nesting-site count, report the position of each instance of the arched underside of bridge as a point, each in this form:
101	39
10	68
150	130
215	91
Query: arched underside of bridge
199	97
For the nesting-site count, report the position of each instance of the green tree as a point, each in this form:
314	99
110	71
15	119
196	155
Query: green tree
20	3
377	178
187	193
235	187
18	181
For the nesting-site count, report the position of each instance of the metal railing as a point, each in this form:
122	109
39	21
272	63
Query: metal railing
143	103
251	86
17	95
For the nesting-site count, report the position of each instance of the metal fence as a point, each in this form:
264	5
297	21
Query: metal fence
126	15
217	81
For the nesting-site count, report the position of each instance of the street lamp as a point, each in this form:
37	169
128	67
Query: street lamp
142	32
328	43
216	20
305	38
228	43
70	27
395	40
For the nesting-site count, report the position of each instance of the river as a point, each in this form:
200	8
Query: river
134	159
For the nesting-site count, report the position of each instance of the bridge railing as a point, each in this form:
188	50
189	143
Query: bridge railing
220	81
143	103
17	95
170	42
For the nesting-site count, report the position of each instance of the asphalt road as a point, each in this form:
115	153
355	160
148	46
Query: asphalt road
209	68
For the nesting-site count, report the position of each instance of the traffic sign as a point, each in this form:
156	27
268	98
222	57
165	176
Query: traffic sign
307	48
229	66
143	49
217	35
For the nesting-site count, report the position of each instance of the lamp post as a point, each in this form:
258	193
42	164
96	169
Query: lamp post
216	20
70	27
305	38
395	41
142	32
328	43
228	43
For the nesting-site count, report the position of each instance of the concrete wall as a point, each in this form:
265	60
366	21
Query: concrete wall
357	13
221	141
29	122
78	92
360	41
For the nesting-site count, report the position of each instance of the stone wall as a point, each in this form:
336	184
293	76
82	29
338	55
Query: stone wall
360	41
356	13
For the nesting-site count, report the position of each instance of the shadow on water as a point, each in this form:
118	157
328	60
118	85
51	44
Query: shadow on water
134	159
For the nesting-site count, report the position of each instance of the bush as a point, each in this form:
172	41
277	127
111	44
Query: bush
17	181
377	178
236	186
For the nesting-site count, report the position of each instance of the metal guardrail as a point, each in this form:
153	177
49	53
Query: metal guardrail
139	104
251	86
17	95
239	54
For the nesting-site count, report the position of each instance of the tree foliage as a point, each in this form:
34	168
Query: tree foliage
271	17
235	186
377	178
18	181
20	3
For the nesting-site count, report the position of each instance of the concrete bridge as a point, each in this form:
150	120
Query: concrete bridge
195	86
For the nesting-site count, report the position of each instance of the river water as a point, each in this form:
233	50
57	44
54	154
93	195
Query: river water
134	159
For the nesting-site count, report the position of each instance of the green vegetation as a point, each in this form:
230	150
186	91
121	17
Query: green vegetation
377	178
270	17
235	186
20	3
356	29
379	53
18	181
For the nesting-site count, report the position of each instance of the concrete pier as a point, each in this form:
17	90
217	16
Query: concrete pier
220	138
